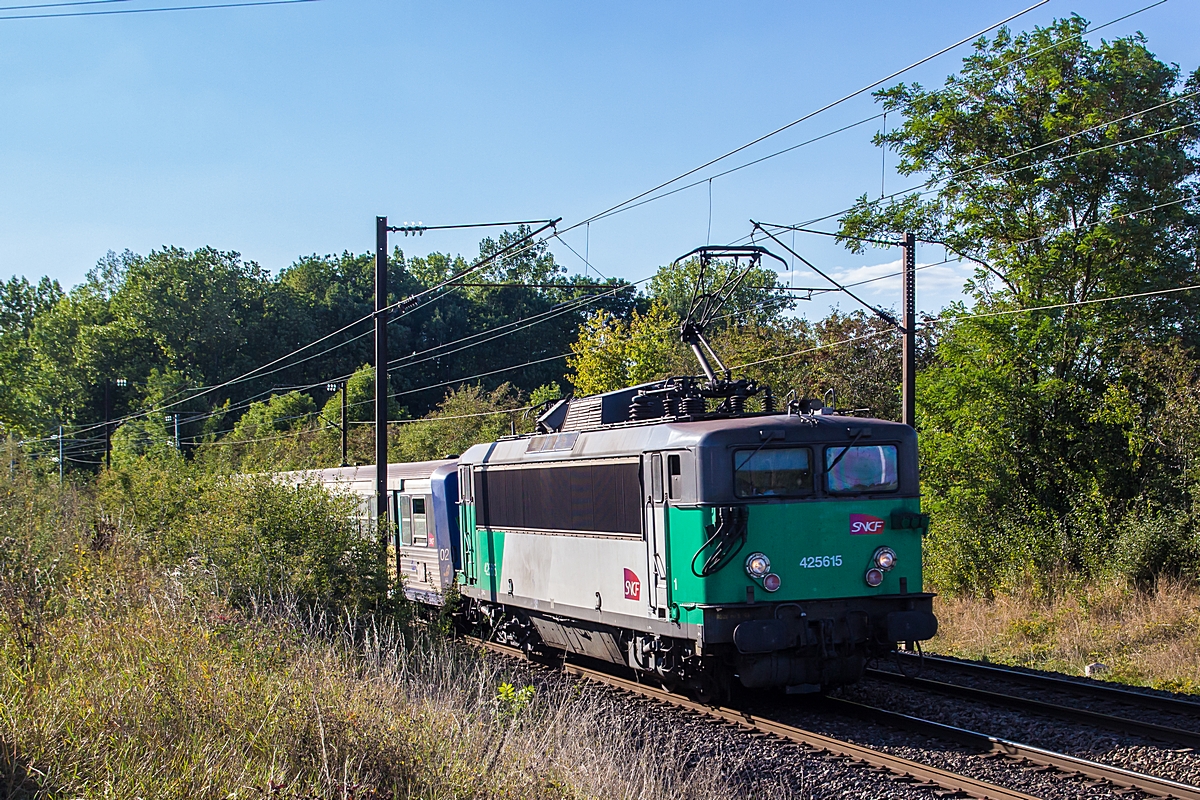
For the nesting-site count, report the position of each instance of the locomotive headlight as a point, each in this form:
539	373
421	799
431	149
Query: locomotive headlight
772	582
885	558
757	565
874	577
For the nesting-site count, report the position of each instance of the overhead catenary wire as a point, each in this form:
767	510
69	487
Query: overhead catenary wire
416	420
156	9
883	80
811	114
441	418
61	5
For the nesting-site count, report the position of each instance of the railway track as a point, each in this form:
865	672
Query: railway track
1102	774
903	769
1087	688
940	780
1150	730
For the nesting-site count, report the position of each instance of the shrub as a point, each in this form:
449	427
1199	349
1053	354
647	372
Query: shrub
1150	543
255	536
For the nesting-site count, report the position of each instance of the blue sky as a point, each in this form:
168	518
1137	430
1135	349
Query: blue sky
281	131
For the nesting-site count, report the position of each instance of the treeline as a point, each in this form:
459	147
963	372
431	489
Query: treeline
1058	413
143	332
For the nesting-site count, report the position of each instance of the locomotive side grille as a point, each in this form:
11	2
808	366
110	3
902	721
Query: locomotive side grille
596	497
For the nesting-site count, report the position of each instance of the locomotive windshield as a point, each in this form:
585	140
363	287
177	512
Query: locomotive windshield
861	468
779	472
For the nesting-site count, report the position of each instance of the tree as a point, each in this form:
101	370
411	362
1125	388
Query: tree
467	415
1064	171
21	303
280	413
611	353
755	300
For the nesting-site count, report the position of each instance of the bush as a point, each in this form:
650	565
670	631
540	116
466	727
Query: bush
256	537
1151	543
40	543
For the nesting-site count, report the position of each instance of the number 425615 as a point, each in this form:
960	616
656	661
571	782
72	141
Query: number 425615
816	562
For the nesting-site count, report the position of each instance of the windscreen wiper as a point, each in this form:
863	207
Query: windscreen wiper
846	449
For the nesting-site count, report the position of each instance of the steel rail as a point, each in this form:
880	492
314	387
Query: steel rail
1126	779
1151	730
922	774
1089	688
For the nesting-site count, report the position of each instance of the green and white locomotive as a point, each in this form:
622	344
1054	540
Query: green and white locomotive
668	528
780	548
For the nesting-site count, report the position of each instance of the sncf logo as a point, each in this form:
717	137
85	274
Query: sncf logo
864	523
633	586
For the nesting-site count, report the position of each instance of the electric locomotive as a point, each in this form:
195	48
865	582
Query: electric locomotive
668	528
780	548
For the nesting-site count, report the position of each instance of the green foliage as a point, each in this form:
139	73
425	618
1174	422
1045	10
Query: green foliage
546	393
1151	543
755	300
611	353
204	317
468	415
524	264
278	414
1034	426
511	701
21	303
257	537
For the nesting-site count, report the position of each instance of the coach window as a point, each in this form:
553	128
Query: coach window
778	472
420	535
861	469
406	520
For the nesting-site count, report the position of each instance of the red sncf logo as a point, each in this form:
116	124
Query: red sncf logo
864	523
633	586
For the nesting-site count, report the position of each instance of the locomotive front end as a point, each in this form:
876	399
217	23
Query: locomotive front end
794	547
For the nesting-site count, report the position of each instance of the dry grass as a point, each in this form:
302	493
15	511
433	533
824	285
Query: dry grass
1146	637
149	688
130	670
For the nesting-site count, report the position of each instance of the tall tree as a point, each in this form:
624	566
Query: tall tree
1067	173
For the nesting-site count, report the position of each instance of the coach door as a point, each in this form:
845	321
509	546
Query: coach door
655	504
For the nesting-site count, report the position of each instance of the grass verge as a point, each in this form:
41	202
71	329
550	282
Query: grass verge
1146	637
127	672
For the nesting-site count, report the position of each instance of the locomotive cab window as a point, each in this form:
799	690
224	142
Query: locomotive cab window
861	469
656	478
778	472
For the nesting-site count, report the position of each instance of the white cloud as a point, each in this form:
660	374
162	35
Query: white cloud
938	284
